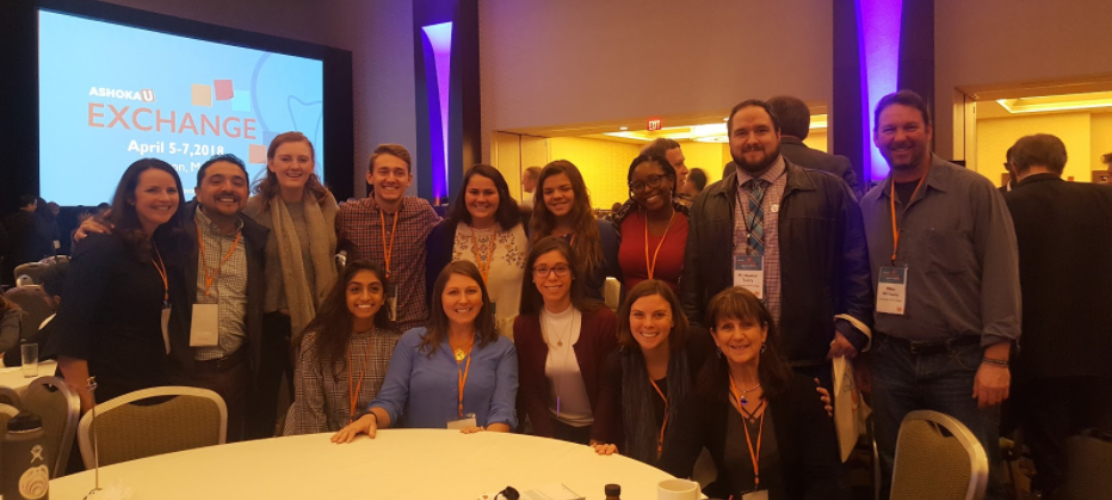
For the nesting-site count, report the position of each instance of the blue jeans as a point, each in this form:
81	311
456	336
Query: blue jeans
904	382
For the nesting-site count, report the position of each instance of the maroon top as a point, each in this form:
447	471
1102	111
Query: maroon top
598	337
669	262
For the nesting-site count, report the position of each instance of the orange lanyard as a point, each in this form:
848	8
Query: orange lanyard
892	199
353	394
211	275
463	379
388	250
651	264
660	442
754	455
161	267
484	269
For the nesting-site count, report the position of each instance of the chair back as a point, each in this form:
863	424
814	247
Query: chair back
32	299
9	397
152	422
6	413
1088	465
59	407
938	458
30	273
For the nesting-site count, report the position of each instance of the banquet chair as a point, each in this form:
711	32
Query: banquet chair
153	421
9	397
59	407
938	458
32	299
30	273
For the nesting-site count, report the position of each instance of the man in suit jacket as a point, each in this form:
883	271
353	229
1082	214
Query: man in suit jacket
795	125
1063	374
223	292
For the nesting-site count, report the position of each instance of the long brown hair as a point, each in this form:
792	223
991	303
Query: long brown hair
267	184
124	218
584	226
437	324
531	300
677	338
773	371
333	323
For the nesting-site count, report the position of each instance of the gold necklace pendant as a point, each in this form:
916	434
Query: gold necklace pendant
460	355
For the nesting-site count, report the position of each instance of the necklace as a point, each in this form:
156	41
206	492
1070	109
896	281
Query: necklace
741	398
462	351
567	331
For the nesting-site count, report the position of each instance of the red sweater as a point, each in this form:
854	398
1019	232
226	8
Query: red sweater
598	337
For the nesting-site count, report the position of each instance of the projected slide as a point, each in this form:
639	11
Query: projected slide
110	94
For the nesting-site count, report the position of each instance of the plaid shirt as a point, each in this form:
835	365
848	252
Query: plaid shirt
322	402
360	225
228	289
772	197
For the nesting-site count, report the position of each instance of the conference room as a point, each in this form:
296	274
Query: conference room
202	274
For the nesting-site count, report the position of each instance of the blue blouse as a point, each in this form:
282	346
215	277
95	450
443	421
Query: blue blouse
422	391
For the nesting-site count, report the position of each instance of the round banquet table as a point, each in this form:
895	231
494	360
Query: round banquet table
13	376
407	464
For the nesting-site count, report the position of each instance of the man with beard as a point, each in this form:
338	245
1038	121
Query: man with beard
943	248
216	331
791	236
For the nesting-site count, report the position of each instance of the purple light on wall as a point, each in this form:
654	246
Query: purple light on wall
878	41
438	38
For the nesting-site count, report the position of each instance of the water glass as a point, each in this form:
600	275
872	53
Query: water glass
30	353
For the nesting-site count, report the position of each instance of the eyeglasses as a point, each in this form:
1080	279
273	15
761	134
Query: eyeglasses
652	183
543	271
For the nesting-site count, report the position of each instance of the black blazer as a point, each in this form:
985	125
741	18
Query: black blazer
804	436
254	240
824	260
1064	233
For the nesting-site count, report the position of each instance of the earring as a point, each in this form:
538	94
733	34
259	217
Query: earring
764	347
719	351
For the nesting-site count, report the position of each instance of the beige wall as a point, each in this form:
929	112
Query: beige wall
986	42
574	61
995	136
378	33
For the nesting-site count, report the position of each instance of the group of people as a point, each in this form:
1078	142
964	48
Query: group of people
378	313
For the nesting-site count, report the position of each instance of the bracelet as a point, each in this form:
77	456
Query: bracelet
995	362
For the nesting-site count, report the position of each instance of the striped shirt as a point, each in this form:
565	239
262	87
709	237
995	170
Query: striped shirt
770	204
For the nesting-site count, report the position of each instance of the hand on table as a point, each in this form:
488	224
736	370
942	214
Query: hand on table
603	448
367	424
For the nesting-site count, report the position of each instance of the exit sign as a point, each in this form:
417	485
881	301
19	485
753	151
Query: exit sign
655	124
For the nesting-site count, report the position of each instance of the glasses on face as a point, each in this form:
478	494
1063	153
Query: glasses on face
653	183
542	272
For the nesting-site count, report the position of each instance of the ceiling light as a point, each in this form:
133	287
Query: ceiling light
1057	103
624	128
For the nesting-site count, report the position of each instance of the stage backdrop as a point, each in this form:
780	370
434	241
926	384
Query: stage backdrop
112	94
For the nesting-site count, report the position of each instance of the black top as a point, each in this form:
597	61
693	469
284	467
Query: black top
906	190
1064	233
698	346
112	317
739	464
805	443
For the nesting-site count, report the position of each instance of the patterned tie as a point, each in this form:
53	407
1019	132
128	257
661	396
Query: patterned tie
756	189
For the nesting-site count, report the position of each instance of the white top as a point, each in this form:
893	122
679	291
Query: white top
507	271
567	401
399	464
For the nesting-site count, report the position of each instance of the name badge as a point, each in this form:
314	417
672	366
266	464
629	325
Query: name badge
891	291
166	326
392	301
463	423
204	332
756	495
749	273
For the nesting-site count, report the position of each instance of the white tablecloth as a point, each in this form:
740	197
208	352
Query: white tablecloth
409	464
13	377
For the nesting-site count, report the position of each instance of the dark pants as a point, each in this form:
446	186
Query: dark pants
904	382
231	379
1052	410
274	365
565	432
